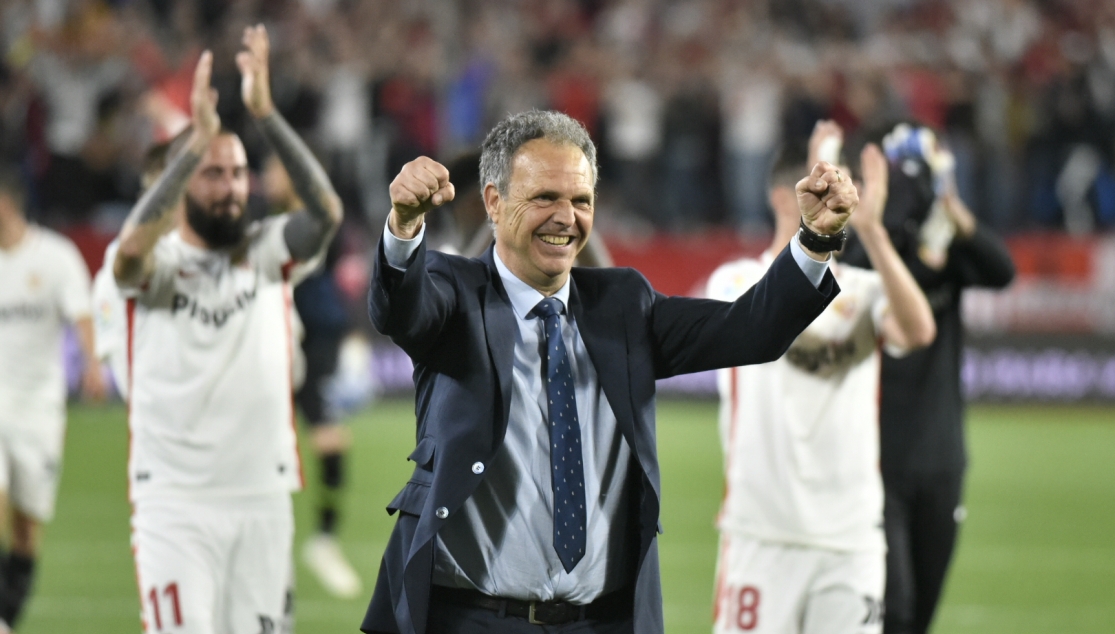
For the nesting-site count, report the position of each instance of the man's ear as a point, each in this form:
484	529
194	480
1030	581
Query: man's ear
492	202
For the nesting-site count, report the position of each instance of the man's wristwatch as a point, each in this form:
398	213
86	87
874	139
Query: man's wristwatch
820	243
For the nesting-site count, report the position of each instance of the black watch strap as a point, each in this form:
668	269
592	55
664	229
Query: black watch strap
820	243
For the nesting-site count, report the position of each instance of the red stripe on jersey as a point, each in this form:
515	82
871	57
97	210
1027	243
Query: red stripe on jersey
131	317
288	304
286	269
130	312
721	573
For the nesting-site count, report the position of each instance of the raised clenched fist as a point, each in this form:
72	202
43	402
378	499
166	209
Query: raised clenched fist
826	199
421	185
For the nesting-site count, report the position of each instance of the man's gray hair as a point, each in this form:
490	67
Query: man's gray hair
509	135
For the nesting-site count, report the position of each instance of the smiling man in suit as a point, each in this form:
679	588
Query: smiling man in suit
534	502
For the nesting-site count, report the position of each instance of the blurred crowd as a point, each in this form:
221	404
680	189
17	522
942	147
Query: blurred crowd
689	100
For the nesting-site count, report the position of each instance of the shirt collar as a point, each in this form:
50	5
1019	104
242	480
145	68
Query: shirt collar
523	297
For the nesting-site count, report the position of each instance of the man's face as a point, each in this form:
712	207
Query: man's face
217	193
546	217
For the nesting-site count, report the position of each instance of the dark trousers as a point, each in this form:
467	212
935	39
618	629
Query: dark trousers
921	518
447	618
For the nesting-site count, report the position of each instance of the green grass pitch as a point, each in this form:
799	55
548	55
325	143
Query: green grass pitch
1037	552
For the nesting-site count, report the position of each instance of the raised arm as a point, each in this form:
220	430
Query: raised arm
909	323
310	228
153	215
977	255
409	300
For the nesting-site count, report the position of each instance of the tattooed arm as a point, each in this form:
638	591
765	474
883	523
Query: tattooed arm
154	214
311	228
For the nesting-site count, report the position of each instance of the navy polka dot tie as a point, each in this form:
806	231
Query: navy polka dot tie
565	441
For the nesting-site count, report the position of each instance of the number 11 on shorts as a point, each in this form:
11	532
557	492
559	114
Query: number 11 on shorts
169	596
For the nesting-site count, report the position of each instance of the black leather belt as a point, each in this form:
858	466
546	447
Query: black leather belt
608	607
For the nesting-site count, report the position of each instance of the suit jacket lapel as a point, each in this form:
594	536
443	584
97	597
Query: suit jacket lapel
499	328
602	329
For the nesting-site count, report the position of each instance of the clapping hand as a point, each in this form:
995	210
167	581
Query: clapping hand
874	193
203	100
255	83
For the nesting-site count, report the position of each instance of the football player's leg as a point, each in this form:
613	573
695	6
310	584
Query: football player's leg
181	552
936	522
19	566
287	625
847	597
330	440
260	567
33	464
900	585
760	586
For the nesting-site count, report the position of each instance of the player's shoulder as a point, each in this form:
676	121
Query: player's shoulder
261	225
111	248
104	280
104	284
171	247
51	241
56	251
258	232
732	279
856	279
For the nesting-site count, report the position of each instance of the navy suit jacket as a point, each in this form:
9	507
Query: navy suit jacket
452	316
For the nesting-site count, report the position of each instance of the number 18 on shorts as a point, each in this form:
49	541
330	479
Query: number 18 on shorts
773	588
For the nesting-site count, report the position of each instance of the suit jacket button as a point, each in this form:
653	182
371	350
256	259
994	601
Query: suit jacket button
478	468
441	512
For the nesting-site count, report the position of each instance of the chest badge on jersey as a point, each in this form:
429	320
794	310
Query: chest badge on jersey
34	282
844	306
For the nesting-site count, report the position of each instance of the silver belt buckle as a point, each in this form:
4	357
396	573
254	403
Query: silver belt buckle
530	615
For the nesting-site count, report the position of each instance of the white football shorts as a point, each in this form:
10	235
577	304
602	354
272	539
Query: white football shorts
31	465
774	588
214	566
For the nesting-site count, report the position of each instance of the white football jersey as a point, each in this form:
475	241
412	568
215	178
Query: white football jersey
210	344
800	434
110	322
44	284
